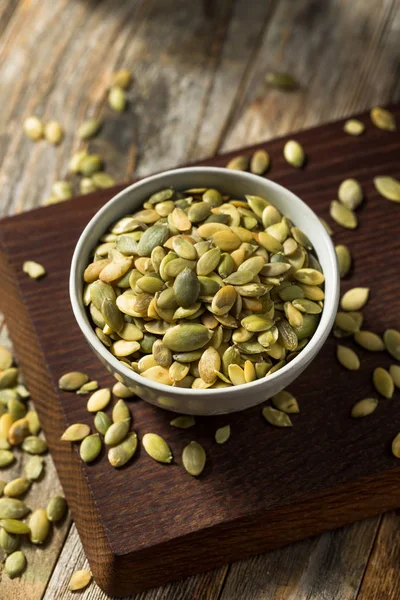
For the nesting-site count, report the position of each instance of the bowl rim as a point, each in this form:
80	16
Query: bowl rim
305	355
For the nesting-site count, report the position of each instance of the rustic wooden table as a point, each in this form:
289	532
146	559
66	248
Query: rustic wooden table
198	89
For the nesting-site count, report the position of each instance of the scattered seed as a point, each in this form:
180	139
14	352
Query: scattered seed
9	542
39	525
238	163
183	422
364	407
383	119
388	187
6	458
121	453
276	417
223	434
33	269
347	358
294	153
33	128
122	79
92	163
391	338
72	381
90	448
285	402
383	382
343	215
354	127
99	400
281	80
117	99
34	468
11	508
79	580
17	487
86	388
394	371
34	445
194	458
15	564
350	193
260	162
56	509
157	448
355	299
344	259
14	526
76	432
396	446
369	340
53	132
89	128
87	186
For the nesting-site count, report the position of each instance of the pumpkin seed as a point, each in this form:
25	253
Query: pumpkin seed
223	434
117	432
6	458
90	386
122	78
99	400
276	417
294	153
394	371
285	402
383	119
15	564
11	508
56	509
102	422
14	526
383	382
347	358
33	422
17	487
34	467
33	269
92	163
185	338
53	132
388	187
89	128
122	391
79	580
9	542
33	128
281	80
6	358
119	455
34	445
363	408
76	432
344	259
157	448
39	525
350	193
90	448
369	340
117	99
72	381
209	364
260	162
355	299
354	127
194	458
238	163
343	215
183	422
62	190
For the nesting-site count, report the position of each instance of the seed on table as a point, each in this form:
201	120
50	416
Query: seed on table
76	160
11	508
34	445
294	153
355	299
117	432
117	99
391	338
354	127
17	487
33	269
56	509
157	448
86	388
92	163
183	422
369	340
120	454
14	526
388	187
6	358
285	402
259	162
6	458
33	422
53	132
76	432
194	458
15	564
9	542
34	468
383	118
396	446
343	215
99	400
90	448
89	128
18	431
62	190
383	382
344	259
394	371
79	580
223	434
39	526
347	358
72	381
33	128
238	163
364	407
87	186
281	80
122	78
350	193
276	417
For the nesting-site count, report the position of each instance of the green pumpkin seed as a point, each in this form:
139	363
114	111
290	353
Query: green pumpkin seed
383	382
89	128
369	340
17	487
39	526
90	448
347	358
34	468
14	526
157	448
76	432
391	338
350	193
33	422
363	408
183	422
9	542
276	417
120	454
6	458
56	509
394	371
343	215
117	99
72	381
34	445
102	422
186	338
79	580
260	162
15	564
388	187
53	132
238	163
194	458
117	432
11	508
6	358
281	80
383	118
223	434
354	127
355	299
90	164
186	288
294	153
344	259
285	402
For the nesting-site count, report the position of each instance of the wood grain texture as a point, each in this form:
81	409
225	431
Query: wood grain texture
266	511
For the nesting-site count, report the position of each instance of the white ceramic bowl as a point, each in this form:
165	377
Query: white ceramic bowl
237	183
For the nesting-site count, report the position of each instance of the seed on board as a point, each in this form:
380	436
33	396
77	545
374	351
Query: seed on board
276	417
183	422
396	446
383	382
117	432
238	163
11	508
223	434
103	180
259	162
343	215
194	458
86	388
33	128
34	269
17	487
15	564
122	391
117	98
18	431
391	339
347	358
120	454
6	358
157	448
363	408
354	127
39	526
285	402
122	78
53	132
9	542
90	448
281	80
369	340
56	509
76	432
33	422
34	445
344	259
350	193
294	153
62	190
34	468
79	580
102	422
388	187
6	458
89	128
383	118
87	186
394	371
14	526
72	381
99	400
355	299
92	163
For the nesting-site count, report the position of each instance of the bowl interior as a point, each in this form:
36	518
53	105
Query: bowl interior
237	184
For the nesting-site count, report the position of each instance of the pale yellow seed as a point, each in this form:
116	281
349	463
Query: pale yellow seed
285	402
33	128
194	458
343	215
79	580
99	400
383	382
223	434
76	432
355	299
396	446
354	127
391	338
183	422
364	407
383	118
33	269
157	448
294	153
53	132
388	187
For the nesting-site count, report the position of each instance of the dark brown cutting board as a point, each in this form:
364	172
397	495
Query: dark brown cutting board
147	524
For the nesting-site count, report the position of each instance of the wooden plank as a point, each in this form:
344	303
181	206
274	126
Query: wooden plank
381	577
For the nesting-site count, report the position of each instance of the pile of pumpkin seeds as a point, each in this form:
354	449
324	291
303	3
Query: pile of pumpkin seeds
200	290
20	431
